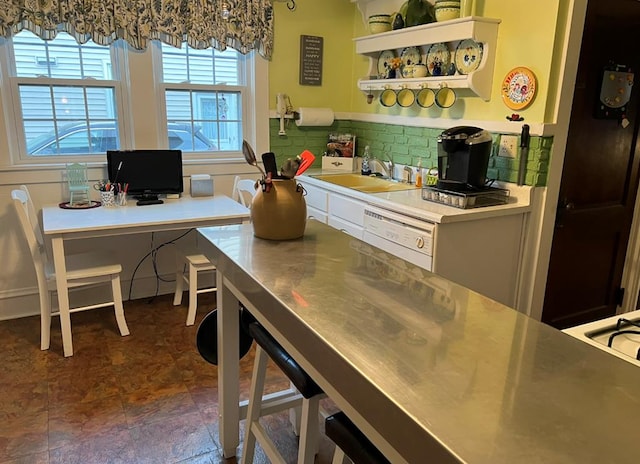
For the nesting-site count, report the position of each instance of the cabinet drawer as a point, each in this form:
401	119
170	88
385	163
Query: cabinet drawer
316	214
316	197
347	209
335	163
346	226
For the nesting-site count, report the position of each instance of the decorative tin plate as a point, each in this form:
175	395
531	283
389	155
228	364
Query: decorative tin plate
438	59
468	56
411	55
519	88
85	205
384	62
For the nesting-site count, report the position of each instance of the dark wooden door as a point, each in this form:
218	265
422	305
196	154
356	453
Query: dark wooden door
600	176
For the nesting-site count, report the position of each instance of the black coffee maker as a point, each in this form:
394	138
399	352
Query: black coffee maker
463	158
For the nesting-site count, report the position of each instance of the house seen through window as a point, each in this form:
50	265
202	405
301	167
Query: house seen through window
204	91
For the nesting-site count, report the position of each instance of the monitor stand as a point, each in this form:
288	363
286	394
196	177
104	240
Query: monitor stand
148	199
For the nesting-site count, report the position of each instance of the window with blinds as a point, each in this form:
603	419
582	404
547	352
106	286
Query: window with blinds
67	95
204	90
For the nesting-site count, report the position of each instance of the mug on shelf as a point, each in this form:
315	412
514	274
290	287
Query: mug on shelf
388	97
426	97
445	97
406	97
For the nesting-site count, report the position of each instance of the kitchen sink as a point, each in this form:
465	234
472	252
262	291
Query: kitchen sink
368	184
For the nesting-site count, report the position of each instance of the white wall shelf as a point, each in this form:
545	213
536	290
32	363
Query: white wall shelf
482	30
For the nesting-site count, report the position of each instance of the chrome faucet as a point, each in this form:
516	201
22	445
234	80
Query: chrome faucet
388	168
409	170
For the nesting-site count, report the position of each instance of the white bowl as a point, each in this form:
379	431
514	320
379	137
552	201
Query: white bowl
376	28
420	70
379	23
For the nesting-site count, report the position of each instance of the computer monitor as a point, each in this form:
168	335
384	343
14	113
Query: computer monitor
148	173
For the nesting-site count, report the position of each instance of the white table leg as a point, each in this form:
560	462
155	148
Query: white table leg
60	266
228	368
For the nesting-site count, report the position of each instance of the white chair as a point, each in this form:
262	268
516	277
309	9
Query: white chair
190	261
243	191
82	270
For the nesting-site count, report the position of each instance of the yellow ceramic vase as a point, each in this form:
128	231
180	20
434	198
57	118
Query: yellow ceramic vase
281	212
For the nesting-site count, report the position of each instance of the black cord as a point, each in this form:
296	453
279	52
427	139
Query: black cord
153	253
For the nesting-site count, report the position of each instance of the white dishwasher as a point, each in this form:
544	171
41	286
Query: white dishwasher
405	237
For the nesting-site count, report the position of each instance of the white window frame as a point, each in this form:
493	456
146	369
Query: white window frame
10	85
148	131
248	91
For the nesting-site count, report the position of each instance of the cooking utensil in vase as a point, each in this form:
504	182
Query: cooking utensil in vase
250	156
270	165
289	168
307	160
269	161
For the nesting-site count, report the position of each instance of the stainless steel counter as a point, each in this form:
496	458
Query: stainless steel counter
432	372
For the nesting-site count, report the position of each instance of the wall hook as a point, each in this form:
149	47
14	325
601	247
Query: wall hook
291	4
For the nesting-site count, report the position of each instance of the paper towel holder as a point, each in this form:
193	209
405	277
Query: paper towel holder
284	110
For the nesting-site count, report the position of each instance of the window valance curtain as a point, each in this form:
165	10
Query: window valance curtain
243	25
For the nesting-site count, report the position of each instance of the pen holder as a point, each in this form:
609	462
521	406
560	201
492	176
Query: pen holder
122	199
108	198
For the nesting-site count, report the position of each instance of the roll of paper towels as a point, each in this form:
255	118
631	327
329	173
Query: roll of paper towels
314	117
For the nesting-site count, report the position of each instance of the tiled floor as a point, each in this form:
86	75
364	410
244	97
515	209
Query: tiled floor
145	398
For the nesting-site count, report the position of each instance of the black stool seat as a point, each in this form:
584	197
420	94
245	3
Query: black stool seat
303	382
352	441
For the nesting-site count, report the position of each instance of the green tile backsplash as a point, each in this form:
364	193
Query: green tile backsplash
406	144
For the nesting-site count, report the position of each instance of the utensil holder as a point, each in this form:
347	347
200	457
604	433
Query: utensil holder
280	213
108	198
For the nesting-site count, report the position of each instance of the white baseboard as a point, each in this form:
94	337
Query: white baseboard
24	302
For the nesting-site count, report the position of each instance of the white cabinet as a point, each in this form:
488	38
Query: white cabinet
339	211
317	200
482	30
482	253
346	214
318	215
346	226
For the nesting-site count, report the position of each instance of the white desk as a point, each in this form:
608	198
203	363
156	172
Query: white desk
185	213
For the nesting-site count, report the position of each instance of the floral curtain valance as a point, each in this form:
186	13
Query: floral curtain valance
244	25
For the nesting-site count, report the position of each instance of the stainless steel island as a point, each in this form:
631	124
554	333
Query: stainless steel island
430	371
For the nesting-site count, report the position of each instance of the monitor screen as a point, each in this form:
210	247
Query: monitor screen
147	172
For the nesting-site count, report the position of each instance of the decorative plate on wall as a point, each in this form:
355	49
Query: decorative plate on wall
411	55
384	63
519	88
438	59
468	56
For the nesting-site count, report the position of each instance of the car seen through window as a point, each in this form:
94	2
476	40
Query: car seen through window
78	139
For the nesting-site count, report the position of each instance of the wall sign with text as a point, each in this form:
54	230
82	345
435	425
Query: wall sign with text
311	60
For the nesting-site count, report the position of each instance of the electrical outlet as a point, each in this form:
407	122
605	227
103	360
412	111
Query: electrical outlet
508	146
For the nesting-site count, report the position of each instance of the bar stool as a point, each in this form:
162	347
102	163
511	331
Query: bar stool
311	395
351	442
195	263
